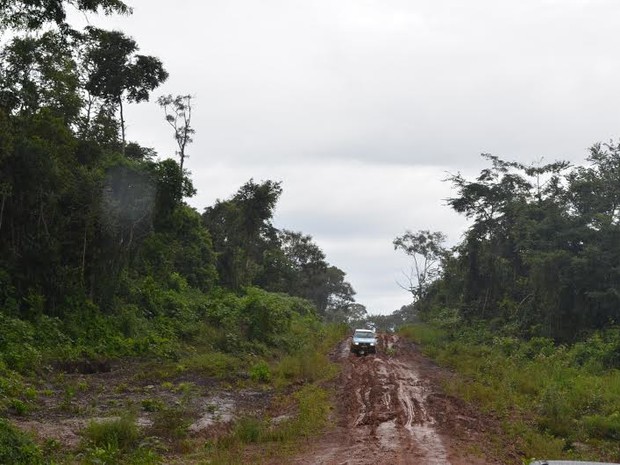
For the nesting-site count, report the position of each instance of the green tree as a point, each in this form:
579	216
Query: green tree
34	14
40	72
541	254
242	231
117	73
294	264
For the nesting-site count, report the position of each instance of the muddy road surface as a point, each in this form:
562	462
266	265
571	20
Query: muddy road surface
391	410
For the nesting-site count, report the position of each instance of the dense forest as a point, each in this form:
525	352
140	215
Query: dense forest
541	256
100	255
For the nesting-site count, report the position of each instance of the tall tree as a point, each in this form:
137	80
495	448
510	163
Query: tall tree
117	73
242	231
40	72
178	111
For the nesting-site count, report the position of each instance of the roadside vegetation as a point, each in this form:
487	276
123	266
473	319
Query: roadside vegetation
119	302
144	412
554	401
525	308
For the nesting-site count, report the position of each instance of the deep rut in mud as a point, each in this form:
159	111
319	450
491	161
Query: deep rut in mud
391	411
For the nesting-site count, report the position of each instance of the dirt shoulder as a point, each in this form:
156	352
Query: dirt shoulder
162	401
391	409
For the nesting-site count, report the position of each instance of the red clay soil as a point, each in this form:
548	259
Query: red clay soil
391	410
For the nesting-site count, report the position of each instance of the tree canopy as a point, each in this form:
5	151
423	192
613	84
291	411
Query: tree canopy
541	253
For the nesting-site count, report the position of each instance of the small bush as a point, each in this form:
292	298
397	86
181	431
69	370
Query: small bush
152	405
17	344
249	430
119	434
16	448
18	406
260	372
171	423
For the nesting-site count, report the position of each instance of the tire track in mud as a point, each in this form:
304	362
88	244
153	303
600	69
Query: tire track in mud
391	401
385	414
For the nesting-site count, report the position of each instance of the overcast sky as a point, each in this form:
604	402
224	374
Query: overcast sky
361	107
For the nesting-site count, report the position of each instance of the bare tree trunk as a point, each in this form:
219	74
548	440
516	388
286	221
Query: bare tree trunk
86	124
2	209
84	251
42	219
120	106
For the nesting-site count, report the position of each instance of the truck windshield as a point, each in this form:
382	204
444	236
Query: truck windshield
364	334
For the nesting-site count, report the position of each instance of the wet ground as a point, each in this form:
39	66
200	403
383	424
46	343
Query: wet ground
391	410
67	402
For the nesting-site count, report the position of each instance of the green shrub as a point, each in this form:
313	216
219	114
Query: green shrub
16	448
260	372
17	344
117	434
599	352
249	430
18	406
152	405
266	315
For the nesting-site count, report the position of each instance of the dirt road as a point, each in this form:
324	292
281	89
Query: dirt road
391	411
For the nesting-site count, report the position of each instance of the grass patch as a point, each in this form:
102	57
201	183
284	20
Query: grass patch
278	439
310	362
171	423
120	434
423	334
216	364
549	397
304	367
314	407
117	441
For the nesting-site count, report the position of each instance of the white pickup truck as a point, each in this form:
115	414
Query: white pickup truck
363	342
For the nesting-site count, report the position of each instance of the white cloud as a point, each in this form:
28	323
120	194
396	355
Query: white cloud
359	106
